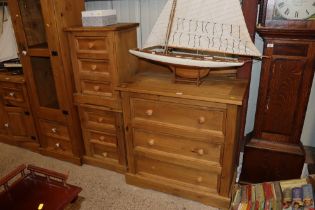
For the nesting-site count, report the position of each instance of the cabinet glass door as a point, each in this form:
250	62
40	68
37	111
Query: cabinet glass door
44	82
33	23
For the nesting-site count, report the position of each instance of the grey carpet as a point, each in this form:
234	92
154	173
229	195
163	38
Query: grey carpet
102	189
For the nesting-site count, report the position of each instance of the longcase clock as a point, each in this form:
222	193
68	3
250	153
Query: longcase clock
275	151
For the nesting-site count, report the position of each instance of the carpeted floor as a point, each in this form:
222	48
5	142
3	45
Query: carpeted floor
102	189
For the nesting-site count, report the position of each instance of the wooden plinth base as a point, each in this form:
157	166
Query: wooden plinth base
107	164
175	188
269	161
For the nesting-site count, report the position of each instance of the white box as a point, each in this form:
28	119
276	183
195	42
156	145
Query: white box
99	17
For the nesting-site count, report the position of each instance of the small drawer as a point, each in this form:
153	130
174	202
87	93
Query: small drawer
103	152
101	137
58	145
96	88
54	130
205	118
178	145
12	94
98	119
94	69
97	47
176	172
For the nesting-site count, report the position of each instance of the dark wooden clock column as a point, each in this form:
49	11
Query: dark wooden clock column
275	151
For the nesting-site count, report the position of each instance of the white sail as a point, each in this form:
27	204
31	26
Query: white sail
205	25
158	33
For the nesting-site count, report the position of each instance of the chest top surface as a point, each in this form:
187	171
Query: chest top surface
228	91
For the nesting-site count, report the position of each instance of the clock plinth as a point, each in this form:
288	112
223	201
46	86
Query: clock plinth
271	161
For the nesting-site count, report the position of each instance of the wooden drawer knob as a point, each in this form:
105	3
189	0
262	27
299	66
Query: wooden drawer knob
91	45
201	152
104	154
12	94
100	119
202	120
54	130
97	88
102	138
93	67
151	142
199	179
149	112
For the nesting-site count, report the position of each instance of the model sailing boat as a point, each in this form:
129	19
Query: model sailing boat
199	34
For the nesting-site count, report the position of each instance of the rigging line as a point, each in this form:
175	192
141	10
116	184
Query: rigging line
189	28
170	24
179	38
206	27
196	26
202	26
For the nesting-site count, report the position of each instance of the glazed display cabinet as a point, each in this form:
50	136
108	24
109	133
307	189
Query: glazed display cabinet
43	48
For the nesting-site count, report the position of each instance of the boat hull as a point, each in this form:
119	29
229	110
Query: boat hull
182	61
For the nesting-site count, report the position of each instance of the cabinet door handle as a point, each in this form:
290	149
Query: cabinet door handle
104	154
6	125
201	152
12	94
57	145
93	67
90	45
54	130
100	119
151	142
102	138
24	52
97	88
199	179
149	112
202	120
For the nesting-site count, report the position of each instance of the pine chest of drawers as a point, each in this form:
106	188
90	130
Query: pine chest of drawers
101	61
182	139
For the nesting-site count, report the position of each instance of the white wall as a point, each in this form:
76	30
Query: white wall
146	12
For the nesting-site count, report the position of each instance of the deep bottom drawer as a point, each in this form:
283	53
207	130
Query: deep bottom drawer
177	173
103	152
58	145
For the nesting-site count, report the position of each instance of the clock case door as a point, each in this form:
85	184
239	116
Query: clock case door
267	18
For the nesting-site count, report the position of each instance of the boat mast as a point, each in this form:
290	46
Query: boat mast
169	27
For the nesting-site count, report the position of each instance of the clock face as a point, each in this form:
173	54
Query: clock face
295	9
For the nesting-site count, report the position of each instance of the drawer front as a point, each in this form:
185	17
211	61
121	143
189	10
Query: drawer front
175	172
54	130
178	145
58	145
98	119
100	137
93	45
94	69
103	152
178	114
96	88
12	94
